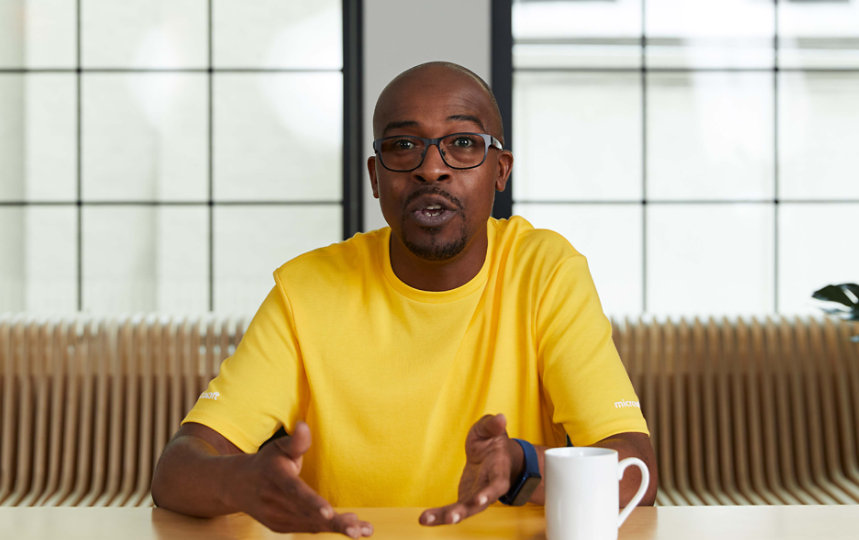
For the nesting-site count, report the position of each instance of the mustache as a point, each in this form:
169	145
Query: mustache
432	190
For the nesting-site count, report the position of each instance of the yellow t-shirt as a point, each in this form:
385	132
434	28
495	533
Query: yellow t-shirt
390	378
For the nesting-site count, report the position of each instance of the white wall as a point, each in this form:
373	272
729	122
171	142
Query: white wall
399	35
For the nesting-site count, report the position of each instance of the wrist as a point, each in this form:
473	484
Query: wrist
528	480
517	460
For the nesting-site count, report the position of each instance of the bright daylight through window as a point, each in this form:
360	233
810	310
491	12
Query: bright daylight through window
701	153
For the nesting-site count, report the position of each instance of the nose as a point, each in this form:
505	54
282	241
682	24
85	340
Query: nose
433	168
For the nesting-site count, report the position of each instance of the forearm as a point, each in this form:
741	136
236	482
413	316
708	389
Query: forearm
193	478
539	495
634	445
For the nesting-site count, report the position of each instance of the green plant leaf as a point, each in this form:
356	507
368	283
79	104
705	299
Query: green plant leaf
841	300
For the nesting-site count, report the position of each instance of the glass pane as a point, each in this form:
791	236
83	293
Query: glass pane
37	137
818	115
278	136
588	33
712	259
37	33
145	136
38	259
816	248
278	34
710	136
251	242
819	34
144	33
610	237
144	259
577	136
710	33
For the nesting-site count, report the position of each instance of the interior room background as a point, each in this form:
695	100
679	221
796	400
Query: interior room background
167	156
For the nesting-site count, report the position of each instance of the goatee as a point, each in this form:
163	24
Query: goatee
436	250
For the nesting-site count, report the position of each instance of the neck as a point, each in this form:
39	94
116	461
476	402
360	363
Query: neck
428	275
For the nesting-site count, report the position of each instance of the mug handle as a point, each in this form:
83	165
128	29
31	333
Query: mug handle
645	481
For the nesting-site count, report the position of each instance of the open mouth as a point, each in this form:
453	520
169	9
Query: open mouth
431	215
432	210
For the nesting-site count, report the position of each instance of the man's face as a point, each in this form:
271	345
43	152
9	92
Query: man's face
435	211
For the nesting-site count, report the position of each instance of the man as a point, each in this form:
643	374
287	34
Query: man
396	348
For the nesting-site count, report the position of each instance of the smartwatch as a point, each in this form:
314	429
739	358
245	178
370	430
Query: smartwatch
528	481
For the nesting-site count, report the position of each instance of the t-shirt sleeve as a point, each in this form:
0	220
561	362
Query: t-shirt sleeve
262	386
583	376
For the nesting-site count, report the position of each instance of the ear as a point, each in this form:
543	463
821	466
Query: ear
505	166
374	182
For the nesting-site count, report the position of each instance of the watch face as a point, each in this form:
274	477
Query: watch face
528	487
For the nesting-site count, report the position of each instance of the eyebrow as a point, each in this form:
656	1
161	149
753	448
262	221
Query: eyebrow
400	124
455	117
467	118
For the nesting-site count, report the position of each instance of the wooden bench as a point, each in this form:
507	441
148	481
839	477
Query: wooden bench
87	405
741	411
749	411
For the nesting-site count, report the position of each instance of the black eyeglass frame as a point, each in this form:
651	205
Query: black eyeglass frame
489	141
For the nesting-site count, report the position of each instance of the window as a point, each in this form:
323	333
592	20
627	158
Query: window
166	155
701	154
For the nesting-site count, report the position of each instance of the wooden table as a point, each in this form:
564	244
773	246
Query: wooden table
667	523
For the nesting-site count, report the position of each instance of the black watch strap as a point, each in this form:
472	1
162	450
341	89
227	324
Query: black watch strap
521	490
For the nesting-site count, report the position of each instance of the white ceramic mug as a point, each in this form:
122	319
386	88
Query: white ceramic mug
582	493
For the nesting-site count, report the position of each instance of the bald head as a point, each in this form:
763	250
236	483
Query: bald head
434	79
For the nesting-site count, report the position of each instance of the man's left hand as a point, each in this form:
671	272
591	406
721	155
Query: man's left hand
491	460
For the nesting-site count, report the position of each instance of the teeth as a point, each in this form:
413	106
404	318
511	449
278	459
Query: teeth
434	207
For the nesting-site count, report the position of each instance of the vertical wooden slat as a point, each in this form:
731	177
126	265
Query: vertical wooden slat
804	427
151	336
647	395
849	351
685	440
720	340
829	390
660	350
24	433
812	370
62	338
175	374
7	409
163	373
38	337
119	357
71	419
131	400
99	347
706	364
745	399
88	413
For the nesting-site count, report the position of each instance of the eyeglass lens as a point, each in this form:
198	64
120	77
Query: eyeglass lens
459	150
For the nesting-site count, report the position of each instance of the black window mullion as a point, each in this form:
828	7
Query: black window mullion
79	155
353	117
502	86
210	173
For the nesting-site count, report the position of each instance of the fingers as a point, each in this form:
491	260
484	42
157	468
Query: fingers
458	511
451	514
351	526
296	444
294	491
490	426
302	510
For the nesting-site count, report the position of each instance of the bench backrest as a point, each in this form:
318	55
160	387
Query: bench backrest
741	411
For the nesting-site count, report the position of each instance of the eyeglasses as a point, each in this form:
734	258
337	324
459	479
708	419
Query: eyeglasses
405	153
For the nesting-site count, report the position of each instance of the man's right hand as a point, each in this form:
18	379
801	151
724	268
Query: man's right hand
202	473
279	499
